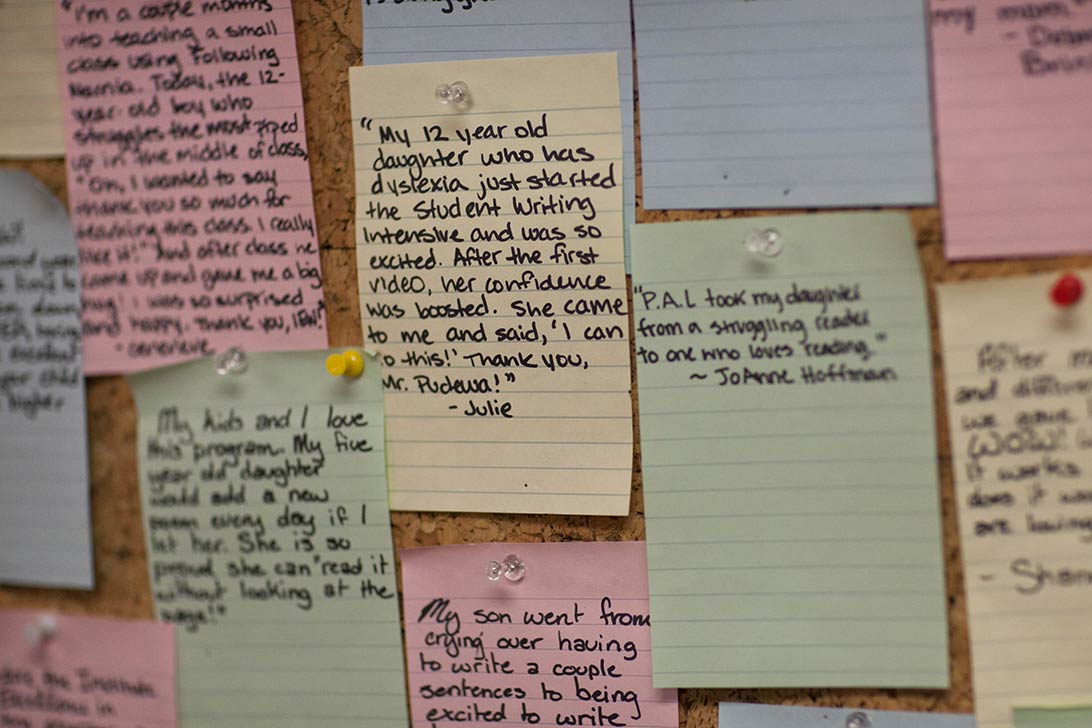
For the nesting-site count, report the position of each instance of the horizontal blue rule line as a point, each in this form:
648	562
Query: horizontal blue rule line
656	542
406	492
449	466
497	112
506	24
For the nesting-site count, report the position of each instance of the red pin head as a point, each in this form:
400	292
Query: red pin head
1067	290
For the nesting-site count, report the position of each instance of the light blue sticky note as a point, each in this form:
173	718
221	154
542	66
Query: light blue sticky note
789	456
442	30
783	103
747	715
45	509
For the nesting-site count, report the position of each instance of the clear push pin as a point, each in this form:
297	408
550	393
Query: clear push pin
231	361
457	93
512	569
857	719
766	243
42	630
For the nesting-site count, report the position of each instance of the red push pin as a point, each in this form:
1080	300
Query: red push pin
1067	290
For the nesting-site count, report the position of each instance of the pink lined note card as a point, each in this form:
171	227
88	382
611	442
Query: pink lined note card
566	644
1013	112
89	671
189	186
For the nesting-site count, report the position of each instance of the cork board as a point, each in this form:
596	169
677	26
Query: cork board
328	38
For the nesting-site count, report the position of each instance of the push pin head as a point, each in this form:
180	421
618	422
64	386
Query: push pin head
231	361
1067	290
41	631
857	719
457	93
349	363
766	243
512	569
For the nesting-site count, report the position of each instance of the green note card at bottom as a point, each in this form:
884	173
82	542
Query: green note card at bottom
264	495
1068	717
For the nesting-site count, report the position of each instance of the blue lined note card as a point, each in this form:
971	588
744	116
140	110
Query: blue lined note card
747	715
45	508
783	103
446	31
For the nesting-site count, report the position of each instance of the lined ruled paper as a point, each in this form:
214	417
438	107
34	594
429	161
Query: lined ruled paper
397	33
45	509
188	181
1012	115
789	455
788	103
567	644
489	254
30	118
269	542
1019	372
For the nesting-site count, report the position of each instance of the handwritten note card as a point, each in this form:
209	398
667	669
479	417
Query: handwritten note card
1019	376
747	715
456	30
798	103
789	455
91	672
490	265
188	181
1012	112
269	542
45	518
568	644
30	117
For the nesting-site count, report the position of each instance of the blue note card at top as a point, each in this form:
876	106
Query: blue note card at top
783	103
747	715
453	30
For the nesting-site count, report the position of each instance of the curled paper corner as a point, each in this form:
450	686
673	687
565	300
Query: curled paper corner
22	195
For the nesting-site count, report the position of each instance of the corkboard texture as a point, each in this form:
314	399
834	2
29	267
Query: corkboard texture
328	34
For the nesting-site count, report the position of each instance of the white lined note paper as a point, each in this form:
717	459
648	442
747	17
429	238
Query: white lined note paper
269	542
45	509
396	33
505	348
30	117
782	104
1012	114
789	455
1018	373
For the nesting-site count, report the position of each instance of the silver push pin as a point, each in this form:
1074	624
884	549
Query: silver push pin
457	93
41	631
857	719
512	569
231	361
766	243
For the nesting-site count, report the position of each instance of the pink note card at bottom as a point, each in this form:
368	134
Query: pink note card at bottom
90	672
567	644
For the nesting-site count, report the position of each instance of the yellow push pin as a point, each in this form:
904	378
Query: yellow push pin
349	363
